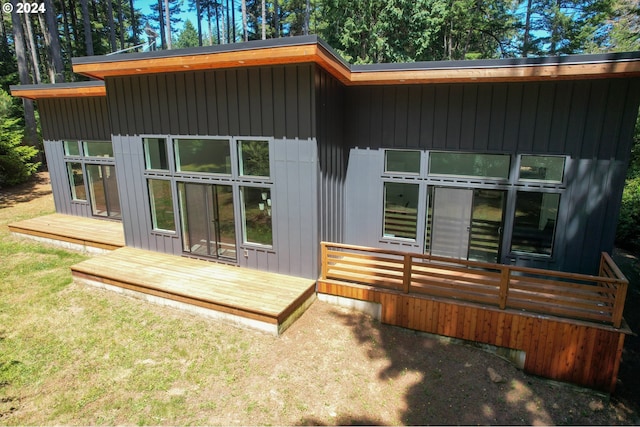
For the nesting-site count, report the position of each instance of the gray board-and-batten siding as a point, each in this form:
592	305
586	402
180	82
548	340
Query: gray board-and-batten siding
591	121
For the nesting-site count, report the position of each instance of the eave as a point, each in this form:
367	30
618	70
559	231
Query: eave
311	49
61	90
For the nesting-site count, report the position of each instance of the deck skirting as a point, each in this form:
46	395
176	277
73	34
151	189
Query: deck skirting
579	352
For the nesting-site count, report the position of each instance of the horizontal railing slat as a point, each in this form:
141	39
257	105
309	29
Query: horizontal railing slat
597	298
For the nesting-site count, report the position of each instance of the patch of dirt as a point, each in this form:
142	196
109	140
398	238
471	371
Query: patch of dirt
38	186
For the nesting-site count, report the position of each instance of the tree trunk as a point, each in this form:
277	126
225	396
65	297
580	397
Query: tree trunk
30	134
134	24
67	33
163	41
199	17
120	23
276	18
47	42
233	20
33	49
264	21
74	26
217	12
224	31
209	24
307	12
527	30
88	39
245	30
112	25
167	17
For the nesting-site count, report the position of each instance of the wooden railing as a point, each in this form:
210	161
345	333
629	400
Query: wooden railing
577	296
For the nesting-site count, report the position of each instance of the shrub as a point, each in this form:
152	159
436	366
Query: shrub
628	233
16	163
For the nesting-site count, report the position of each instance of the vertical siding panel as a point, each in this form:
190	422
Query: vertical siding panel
482	118
305	102
426	116
283	204
268	105
469	117
594	121
200	102
414	111
244	103
291	101
181	108
400	114
441	116
166	101
254	103
376	119
388	116
211	91
499	101
560	117
232	101
454	117
543	118
577	117
221	103
512	117
146	121
528	118
191	96
279	103
136	123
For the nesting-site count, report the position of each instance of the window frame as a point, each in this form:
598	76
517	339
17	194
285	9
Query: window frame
421	199
237	141
147	159
243	220
152	207
386	171
85	151
521	253
506	179
544	182
175	154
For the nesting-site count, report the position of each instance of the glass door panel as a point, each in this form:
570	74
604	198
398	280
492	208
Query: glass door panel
207	220
486	225
451	222
103	190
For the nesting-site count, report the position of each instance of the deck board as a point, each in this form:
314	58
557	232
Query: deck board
258	295
91	232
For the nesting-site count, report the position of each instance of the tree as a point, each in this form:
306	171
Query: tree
16	159
88	39
188	37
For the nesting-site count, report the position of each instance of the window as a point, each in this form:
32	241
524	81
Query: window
402	161
203	155
161	201
542	168
76	179
98	149
155	154
535	222
400	210
256	215
103	190
71	148
470	164
253	157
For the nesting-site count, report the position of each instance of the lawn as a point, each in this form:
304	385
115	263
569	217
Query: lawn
71	354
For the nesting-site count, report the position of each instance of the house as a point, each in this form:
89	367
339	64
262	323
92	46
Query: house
252	154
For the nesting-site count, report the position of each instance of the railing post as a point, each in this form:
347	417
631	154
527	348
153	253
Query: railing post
323	260
618	305
504	287
406	273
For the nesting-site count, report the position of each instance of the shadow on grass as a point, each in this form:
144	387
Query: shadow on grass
30	190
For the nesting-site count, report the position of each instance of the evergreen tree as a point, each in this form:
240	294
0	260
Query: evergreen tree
188	37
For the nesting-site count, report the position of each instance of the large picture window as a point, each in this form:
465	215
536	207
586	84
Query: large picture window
400	210
161	201
493	166
535	222
256	215
203	155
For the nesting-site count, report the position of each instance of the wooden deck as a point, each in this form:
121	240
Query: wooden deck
569	326
257	299
85	233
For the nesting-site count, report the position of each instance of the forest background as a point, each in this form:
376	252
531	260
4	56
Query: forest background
37	47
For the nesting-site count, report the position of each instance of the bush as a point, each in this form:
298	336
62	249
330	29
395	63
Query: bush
16	164
628	234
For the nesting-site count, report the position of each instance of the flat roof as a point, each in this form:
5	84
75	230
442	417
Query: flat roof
60	90
312	49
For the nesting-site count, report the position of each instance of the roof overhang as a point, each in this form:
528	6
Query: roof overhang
60	90
311	49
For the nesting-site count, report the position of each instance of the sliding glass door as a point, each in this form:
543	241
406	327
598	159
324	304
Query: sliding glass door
207	220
